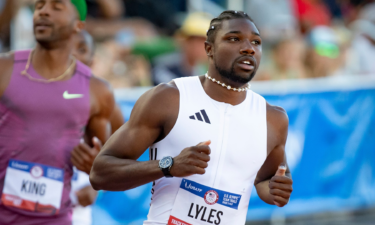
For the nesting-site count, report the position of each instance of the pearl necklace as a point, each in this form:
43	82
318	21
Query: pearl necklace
227	86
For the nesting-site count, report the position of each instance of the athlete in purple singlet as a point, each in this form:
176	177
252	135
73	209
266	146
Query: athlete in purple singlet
48	102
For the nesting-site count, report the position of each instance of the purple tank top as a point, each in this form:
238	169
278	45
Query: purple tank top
39	125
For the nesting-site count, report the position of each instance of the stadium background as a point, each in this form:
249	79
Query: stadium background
318	64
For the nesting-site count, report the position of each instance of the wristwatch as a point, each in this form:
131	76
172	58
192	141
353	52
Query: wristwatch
165	165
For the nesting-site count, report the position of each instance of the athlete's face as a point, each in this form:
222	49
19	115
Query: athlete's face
237	50
83	49
55	20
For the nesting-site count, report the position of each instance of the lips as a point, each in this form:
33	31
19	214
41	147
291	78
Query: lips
42	25
246	63
246	66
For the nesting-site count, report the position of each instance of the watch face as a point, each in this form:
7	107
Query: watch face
165	162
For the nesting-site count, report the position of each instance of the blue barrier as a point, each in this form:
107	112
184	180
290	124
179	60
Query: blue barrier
330	150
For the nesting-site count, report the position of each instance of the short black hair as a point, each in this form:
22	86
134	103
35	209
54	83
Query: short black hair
216	23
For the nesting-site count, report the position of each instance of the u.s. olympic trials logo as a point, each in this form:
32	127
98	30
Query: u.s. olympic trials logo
211	197
36	171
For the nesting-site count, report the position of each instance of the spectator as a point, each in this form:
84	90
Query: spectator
352	8
106	19
21	14
362	57
275	21
105	9
161	13
82	194
312	13
192	58
115	63
6	14
285	62
22	26
325	55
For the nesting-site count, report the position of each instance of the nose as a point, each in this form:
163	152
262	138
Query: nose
247	48
44	10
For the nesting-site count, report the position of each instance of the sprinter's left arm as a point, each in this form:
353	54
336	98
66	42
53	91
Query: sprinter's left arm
273	185
98	130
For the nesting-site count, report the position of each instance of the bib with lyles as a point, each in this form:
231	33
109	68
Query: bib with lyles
238	146
40	124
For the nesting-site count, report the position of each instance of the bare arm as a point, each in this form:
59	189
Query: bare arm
98	129
6	65
117	119
102	107
153	116
273	185
120	153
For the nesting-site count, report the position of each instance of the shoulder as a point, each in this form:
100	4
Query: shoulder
163	92
99	85
6	65
159	97
277	119
102	97
6	59
101	90
159	104
276	113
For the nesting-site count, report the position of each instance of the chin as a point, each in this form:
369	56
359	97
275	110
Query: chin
244	77
44	39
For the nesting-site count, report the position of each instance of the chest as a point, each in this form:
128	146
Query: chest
67	102
238	141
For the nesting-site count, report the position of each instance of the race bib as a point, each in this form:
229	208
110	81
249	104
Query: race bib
199	204
33	187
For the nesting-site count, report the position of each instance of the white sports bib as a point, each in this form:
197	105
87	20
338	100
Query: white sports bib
200	204
33	187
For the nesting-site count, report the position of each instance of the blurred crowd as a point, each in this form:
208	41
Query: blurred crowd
146	42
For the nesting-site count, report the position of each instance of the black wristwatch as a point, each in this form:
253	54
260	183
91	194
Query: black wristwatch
165	165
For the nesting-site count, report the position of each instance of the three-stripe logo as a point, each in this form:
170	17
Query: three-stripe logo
199	115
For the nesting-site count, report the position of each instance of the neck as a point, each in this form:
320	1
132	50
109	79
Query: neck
221	94
51	62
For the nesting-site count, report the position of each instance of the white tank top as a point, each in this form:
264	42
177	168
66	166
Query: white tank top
238	137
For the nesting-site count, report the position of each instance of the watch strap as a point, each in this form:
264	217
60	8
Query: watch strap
167	172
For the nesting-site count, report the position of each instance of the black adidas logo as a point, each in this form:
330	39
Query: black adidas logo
199	116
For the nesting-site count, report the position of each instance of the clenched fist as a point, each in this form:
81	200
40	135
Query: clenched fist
192	160
83	155
281	187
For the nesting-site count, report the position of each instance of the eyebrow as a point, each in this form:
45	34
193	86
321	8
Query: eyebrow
238	32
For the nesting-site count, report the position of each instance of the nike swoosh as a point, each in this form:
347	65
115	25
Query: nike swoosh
66	95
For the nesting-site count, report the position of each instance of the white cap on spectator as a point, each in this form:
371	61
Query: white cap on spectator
324	34
325	41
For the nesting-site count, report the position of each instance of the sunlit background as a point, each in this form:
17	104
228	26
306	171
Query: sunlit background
318	64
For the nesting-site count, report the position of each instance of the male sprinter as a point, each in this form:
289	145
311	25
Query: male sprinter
48	100
241	138
84	52
82	194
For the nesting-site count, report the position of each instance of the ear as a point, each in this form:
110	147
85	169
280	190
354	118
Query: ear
80	25
208	46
